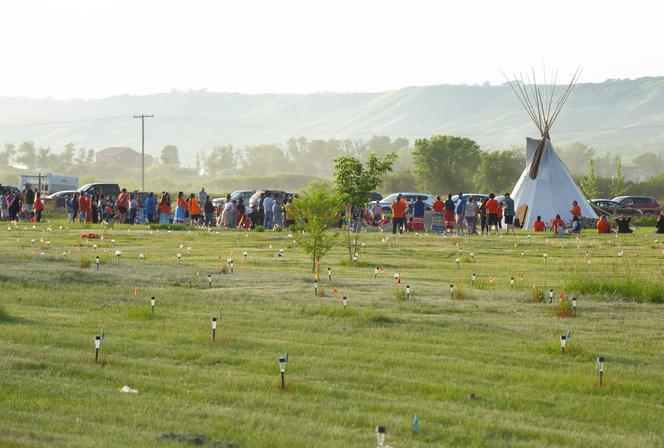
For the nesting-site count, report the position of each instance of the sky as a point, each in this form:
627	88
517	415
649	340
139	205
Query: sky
95	48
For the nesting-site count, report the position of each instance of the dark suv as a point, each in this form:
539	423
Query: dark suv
107	189
648	205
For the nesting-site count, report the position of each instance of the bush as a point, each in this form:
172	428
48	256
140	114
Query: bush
537	294
644	221
564	308
400	294
626	287
84	263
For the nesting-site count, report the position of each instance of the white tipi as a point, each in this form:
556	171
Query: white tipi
545	187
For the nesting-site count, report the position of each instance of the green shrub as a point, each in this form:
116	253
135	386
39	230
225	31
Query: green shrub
537	294
644	221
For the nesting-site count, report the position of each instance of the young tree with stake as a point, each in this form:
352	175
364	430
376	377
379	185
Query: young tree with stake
354	182
317	208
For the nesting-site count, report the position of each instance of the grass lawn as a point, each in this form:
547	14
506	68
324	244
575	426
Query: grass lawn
480	368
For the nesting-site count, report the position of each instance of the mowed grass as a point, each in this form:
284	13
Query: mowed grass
482	371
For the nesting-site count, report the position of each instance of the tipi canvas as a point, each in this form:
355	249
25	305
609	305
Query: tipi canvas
552	192
545	187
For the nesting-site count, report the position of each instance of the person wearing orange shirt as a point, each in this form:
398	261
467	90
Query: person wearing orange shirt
558	225
399	207
437	219
39	206
492	208
123	206
194	210
576	209
180	209
538	225
603	225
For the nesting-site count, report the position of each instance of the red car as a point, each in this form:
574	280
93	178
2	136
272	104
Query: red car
648	205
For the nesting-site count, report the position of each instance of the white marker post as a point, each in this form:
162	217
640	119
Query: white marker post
282	369
545	255
550	295
210	280
329	274
511	283
97	261
315	287
574	305
214	329
380	436
117	254
451	290
179	257
152	302
113	243
97	344
344	299
375	272
457	261
245	254
563	340
600	369
407	292
473	278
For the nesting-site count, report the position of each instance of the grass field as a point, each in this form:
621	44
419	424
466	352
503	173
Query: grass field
480	368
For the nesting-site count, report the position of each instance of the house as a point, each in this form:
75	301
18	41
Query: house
118	156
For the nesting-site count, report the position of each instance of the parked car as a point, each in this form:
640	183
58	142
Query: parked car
648	205
56	201
608	207
235	196
386	203
479	197
106	189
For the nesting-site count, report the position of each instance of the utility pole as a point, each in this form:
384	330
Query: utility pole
143	117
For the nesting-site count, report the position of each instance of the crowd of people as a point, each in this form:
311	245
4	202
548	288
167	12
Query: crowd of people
457	216
23	205
465	215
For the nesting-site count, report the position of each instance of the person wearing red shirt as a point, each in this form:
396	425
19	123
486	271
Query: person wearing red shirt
492	208
576	209
81	208
538	225
603	225
39	206
399	207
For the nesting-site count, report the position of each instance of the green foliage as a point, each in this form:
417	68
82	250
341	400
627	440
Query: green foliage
576	156
220	159
84	263
618	185
354	181
317	208
4	315
652	164
403	180
498	170
444	163
588	183
170	155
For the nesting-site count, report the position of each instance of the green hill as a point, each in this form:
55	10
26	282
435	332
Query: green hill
615	115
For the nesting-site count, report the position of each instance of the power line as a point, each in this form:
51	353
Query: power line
47	123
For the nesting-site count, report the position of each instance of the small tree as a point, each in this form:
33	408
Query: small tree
589	182
317	209
354	182
618	185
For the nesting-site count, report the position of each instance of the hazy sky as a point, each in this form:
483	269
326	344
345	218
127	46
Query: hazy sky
88	48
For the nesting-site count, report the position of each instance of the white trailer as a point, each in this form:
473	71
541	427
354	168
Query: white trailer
48	183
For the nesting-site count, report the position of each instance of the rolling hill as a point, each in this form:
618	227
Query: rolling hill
625	116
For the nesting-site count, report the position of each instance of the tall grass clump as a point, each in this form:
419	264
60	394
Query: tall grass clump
4	315
84	263
636	288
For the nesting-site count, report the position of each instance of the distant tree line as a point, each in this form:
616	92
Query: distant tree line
437	164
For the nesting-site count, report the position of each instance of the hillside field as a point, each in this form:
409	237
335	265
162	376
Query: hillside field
481	367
